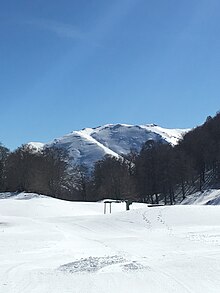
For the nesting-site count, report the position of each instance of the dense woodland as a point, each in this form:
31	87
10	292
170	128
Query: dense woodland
159	173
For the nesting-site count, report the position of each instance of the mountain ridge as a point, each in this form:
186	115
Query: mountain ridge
89	145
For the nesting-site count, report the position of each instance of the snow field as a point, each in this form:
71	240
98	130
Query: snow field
49	245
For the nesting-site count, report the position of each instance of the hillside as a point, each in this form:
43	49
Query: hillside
91	144
178	164
207	197
49	245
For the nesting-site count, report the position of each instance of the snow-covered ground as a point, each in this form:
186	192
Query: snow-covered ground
49	245
207	197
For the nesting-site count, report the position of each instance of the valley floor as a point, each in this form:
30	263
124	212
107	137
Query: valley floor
52	246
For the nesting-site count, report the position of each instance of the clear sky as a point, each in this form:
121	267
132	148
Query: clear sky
66	65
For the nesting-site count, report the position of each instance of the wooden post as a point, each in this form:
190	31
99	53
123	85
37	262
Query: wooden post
128	203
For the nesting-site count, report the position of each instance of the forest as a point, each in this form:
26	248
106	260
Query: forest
159	173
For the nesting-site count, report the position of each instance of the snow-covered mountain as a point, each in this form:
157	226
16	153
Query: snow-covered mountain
36	146
91	144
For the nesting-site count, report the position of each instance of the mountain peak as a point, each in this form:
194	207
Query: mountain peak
89	145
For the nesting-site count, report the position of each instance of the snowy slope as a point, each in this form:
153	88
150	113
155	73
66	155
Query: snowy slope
91	144
48	245
208	197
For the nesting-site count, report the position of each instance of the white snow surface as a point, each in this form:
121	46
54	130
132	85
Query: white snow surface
91	144
207	197
48	245
36	146
172	136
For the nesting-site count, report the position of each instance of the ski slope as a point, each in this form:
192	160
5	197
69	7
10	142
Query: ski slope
48	245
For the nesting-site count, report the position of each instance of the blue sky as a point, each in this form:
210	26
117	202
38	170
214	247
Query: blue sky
66	65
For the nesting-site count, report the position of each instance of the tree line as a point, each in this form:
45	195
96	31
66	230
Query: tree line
159	172
44	172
